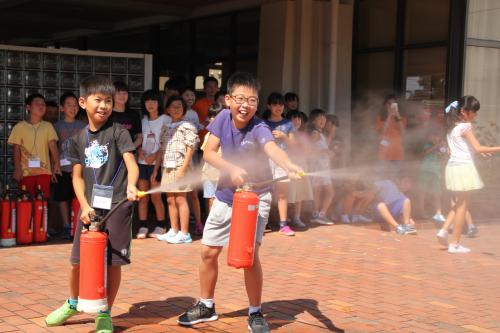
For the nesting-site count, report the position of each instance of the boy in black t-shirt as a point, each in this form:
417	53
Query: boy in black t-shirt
104	173
129	119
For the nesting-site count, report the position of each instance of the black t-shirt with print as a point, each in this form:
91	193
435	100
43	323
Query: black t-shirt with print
130	120
102	151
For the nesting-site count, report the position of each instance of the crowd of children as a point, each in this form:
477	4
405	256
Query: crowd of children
221	138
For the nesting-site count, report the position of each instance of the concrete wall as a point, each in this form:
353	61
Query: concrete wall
305	46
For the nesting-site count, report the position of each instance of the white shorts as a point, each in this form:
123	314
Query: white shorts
218	224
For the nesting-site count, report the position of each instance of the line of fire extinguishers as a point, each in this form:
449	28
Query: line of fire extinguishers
24	219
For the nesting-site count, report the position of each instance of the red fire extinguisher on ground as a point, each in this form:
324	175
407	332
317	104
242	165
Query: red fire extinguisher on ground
93	256
243	228
8	219
92	297
75	209
40	217
24	233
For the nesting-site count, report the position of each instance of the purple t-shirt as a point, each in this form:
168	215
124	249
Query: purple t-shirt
244	148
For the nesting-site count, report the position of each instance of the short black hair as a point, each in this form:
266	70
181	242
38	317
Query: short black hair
96	84
291	96
297	114
31	97
65	96
210	79
219	93
120	86
176	82
244	79
150	95
275	98
51	103
213	110
174	98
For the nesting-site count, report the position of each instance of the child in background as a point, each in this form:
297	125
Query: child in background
245	141
152	125
320	161
191	116
189	98
124	116
220	98
282	130
461	175
299	190
392	206
291	103
102	154
210	175
33	141
178	142
51	112
391	127
66	128
430	174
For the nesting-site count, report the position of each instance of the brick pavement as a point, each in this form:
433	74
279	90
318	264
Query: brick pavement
329	278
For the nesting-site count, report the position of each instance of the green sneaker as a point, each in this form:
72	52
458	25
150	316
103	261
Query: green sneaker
103	323
59	316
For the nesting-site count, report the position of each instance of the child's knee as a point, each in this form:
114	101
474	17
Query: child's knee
210	254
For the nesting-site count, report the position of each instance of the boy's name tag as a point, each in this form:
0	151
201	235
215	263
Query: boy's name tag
102	196
64	162
34	162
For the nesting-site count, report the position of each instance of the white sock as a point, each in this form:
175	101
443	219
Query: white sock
209	302
253	309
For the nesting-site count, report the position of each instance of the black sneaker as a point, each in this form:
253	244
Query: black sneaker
198	313
257	323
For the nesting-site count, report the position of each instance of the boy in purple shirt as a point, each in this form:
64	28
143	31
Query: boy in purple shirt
246	143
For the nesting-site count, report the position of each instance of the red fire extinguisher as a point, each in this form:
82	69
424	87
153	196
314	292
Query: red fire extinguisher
93	269
8	219
24	218
243	228
75	208
40	217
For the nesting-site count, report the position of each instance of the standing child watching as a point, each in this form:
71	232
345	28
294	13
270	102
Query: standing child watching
189	98
124	116
178	142
33	140
103	161
66	128
152	124
245	141
430	174
390	126
461	175
320	161
210	174
283	133
299	189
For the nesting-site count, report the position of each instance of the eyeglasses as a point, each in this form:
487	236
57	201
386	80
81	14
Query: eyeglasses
240	99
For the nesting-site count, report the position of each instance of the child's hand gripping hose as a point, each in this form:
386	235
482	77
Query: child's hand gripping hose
97	222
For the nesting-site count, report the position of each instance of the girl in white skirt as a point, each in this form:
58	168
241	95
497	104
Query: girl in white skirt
461	174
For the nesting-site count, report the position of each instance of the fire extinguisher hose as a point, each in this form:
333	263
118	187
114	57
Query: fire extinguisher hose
140	194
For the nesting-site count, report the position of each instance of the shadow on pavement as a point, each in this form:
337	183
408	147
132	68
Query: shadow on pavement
283	312
278	313
152	312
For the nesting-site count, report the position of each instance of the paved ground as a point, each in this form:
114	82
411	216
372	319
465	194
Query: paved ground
330	278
